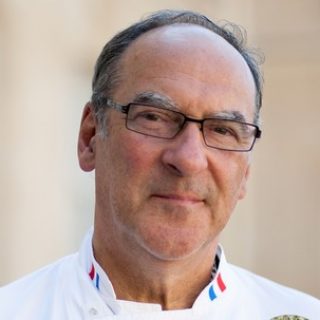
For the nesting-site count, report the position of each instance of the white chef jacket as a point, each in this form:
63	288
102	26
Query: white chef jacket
72	288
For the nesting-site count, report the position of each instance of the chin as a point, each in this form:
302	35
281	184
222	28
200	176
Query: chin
178	247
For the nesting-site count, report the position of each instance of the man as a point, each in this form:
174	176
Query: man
169	129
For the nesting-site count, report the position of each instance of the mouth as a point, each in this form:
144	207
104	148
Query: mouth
182	199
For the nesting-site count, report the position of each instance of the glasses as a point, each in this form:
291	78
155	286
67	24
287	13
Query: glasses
218	133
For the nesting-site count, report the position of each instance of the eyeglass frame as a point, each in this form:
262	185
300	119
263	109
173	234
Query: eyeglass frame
125	109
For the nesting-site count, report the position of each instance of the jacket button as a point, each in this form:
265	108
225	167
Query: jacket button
93	311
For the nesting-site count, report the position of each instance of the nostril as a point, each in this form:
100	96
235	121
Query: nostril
175	170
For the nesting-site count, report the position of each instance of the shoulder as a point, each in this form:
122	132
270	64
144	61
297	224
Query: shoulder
46	274
273	296
36	288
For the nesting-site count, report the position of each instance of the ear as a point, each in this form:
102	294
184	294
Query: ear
86	139
243	187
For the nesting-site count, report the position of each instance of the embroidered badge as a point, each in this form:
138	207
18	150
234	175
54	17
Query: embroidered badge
289	317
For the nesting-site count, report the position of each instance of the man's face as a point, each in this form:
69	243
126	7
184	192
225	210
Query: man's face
170	199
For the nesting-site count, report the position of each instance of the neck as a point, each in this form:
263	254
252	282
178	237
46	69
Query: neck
140	277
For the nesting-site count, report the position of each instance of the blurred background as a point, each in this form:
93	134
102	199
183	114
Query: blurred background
47	53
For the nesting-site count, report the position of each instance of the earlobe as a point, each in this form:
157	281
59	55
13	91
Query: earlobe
86	139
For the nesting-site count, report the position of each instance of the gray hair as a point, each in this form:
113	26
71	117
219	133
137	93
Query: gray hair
106	74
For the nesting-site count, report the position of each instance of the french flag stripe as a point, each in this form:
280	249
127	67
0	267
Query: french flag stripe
217	288
97	281
212	294
220	282
92	272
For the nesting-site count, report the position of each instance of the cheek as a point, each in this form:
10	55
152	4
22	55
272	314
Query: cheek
243	187
136	157
231	173
131	162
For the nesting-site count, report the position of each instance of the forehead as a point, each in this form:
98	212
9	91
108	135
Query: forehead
191	65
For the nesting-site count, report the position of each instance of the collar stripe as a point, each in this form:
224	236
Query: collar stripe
217	287
212	294
92	272
220	282
94	276
98	282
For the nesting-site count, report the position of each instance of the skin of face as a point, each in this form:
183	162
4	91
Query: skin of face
162	203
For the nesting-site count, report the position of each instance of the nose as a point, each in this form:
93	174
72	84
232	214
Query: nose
186	154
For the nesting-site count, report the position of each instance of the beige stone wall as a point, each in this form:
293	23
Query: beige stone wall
47	52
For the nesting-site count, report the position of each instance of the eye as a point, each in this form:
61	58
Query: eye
222	129
154	115
152	118
217	129
151	115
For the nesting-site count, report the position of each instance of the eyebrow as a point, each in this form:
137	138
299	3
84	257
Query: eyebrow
230	115
160	100
155	99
